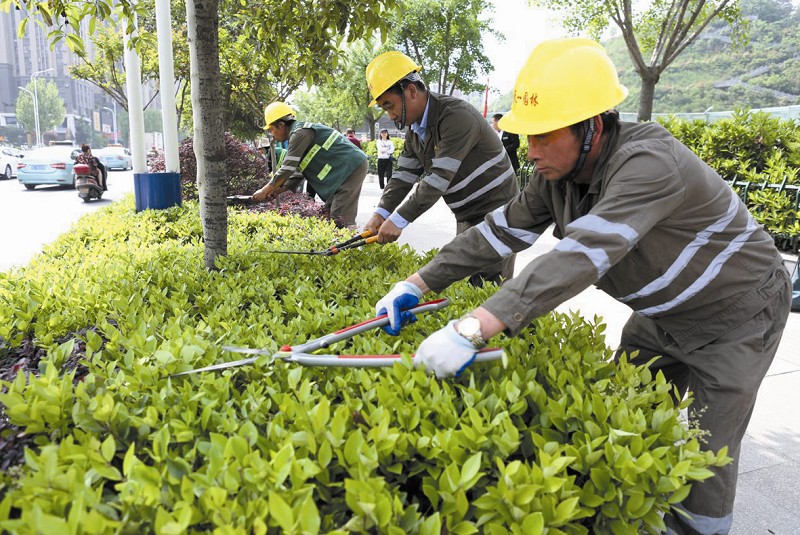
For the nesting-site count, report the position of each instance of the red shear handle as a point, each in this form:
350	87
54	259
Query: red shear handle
375	361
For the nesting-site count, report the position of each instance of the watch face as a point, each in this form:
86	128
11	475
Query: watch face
469	327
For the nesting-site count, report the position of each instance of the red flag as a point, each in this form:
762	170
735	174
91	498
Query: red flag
486	100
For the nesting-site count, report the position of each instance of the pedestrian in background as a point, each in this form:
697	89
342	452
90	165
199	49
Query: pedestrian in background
350	134
510	141
385	148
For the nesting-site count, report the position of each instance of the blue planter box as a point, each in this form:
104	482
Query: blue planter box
156	191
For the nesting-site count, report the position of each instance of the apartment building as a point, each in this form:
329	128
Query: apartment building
31	55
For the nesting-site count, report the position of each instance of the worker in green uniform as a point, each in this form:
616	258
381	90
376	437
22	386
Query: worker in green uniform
321	155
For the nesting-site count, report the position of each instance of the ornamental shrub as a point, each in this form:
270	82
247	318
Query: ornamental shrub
555	439
245	166
759	155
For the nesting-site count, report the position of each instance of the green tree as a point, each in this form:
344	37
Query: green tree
445	37
655	33
343	100
52	110
301	38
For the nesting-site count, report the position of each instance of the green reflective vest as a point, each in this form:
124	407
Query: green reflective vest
329	160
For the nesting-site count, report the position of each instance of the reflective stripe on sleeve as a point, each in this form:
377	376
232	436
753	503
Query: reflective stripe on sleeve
291	159
596	256
405	176
680	263
709	274
448	164
436	181
410	163
490	186
501	248
477	172
527	236
595	223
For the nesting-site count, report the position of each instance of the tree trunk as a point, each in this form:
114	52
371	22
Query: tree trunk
649	81
209	143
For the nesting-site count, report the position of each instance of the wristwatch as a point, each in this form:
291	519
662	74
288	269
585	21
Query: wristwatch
470	328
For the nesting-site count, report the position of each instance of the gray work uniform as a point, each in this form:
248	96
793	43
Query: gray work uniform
332	165
459	158
658	229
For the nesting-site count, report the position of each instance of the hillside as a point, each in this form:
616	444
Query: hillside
711	72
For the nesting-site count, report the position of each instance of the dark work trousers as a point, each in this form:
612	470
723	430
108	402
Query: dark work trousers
343	205
384	171
497	273
724	377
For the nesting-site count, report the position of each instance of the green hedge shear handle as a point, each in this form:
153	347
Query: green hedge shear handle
300	352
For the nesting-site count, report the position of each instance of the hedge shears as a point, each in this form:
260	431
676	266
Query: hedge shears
365	238
301	354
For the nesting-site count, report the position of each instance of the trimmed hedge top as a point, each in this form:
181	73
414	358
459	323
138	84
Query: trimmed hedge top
559	440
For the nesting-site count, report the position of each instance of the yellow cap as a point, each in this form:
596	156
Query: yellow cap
275	111
564	81
386	70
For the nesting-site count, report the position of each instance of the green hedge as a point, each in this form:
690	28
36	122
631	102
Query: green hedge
556	440
759	155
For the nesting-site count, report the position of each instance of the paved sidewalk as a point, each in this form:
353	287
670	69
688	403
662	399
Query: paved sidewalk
768	495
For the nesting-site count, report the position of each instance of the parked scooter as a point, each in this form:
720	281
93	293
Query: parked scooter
86	183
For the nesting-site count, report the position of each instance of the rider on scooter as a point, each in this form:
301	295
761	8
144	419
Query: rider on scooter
95	165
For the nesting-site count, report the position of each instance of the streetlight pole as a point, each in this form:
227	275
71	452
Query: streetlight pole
36	105
35	111
114	119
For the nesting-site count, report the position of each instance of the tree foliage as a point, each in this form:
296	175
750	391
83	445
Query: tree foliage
655	32
51	106
343	100
445	37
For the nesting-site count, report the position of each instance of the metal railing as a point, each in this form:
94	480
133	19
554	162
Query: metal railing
785	242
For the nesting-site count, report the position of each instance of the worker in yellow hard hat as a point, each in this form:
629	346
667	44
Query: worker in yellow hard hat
648	222
450	152
322	156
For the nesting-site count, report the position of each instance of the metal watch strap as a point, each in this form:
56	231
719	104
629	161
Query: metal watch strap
476	339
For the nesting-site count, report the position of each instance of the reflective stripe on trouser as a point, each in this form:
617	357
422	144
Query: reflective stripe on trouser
344	203
497	273
724	376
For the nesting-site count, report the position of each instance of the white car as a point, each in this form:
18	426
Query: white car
9	158
115	157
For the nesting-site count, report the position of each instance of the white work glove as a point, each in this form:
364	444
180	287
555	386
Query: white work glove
445	353
404	295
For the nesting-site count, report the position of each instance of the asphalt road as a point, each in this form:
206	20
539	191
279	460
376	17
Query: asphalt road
30	219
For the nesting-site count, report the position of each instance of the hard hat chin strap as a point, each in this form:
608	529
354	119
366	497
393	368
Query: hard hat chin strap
586	146
401	124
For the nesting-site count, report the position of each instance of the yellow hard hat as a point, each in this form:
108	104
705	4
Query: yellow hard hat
275	111
564	81
386	70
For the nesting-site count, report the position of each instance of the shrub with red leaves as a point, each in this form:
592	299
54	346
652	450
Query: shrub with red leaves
288	203
245	166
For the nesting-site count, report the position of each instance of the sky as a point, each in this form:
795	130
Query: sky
524	27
